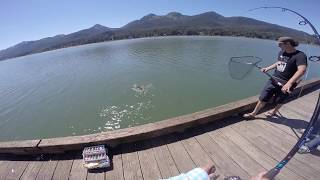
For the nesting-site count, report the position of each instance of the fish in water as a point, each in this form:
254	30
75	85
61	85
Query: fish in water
138	88
143	89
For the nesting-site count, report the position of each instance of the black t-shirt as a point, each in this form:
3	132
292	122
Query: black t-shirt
288	64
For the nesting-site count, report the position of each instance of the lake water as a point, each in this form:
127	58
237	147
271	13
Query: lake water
112	85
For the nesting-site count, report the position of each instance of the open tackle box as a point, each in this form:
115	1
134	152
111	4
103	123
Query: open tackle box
95	157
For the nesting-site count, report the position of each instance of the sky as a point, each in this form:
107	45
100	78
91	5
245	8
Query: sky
25	20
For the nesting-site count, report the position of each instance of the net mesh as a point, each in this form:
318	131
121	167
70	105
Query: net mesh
240	67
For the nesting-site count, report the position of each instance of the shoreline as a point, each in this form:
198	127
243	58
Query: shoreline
149	37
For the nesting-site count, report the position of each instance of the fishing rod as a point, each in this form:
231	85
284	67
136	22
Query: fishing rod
304	21
271	174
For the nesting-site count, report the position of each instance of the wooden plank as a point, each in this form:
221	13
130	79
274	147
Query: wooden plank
309	99
290	142
96	175
16	169
280	140
262	158
264	145
78	172
164	160
298	110
117	172
5	168
237	154
130	163
285	134
284	144
293	127
148	163
180	156
47	170
300	120
226	165
63	168
198	155
288	123
32	170
293	111
304	104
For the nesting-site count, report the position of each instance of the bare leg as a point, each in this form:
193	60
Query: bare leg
258	107
274	111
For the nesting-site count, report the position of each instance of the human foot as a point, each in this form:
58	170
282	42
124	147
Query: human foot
269	114
249	116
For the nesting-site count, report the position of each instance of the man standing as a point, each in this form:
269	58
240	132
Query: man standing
291	65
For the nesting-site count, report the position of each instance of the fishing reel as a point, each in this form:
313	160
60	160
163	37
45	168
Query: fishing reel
311	58
314	58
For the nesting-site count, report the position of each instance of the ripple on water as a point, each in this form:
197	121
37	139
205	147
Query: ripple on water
129	114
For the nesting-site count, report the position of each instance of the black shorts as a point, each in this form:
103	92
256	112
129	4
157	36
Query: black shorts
272	89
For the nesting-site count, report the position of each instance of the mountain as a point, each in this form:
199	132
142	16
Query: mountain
60	41
211	23
173	23
175	19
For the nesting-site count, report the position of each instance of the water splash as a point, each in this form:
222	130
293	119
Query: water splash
142	90
128	115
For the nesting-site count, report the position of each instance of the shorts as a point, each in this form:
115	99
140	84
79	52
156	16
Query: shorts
272	89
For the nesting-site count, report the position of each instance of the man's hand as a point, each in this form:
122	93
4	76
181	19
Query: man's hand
286	88
264	70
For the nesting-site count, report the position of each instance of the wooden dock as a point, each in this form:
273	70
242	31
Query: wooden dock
235	146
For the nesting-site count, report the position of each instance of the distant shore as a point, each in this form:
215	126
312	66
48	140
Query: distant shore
135	37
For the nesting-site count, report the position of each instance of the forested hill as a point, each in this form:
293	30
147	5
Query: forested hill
174	23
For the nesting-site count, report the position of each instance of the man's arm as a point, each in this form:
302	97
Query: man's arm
300	72
269	67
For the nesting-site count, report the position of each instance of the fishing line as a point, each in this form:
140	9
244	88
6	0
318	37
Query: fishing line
308	53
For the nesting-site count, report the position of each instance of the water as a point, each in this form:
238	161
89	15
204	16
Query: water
112	85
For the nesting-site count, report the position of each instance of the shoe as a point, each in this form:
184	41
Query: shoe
269	114
249	116
304	149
